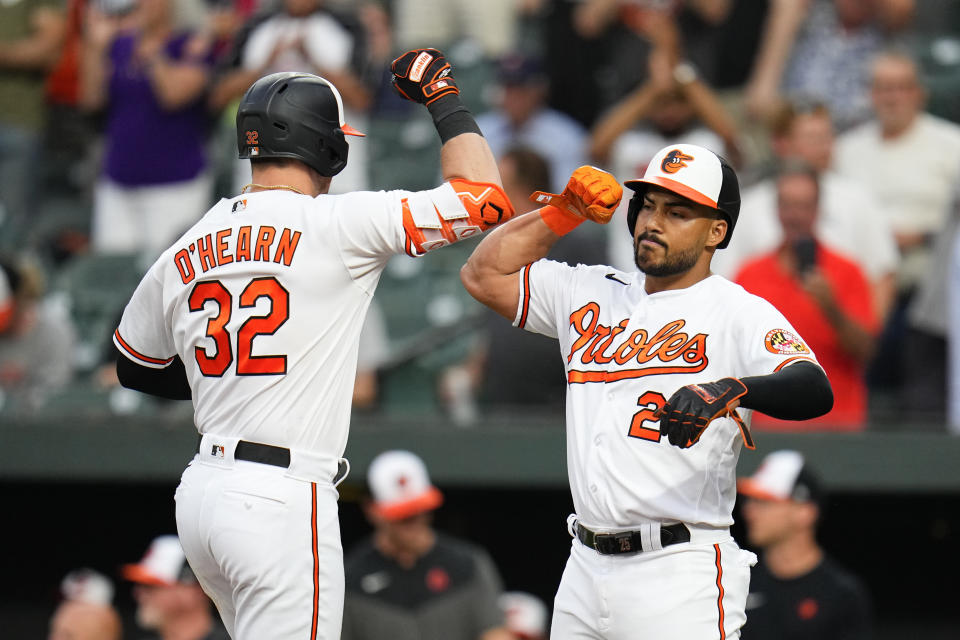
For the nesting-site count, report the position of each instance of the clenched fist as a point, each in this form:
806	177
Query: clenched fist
591	193
423	75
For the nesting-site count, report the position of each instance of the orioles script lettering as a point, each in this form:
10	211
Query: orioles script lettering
669	350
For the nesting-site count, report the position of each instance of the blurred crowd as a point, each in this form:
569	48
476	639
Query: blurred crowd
841	116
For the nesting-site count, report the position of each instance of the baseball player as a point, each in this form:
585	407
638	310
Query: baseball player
657	363
255	314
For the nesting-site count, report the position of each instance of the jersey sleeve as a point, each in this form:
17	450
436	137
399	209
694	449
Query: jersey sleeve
142	335
375	225
769	342
544	291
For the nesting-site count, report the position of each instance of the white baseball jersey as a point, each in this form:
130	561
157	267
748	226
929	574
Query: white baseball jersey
264	298
626	352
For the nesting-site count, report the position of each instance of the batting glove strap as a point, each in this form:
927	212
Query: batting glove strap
692	408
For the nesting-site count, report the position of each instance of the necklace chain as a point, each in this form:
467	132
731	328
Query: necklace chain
285	187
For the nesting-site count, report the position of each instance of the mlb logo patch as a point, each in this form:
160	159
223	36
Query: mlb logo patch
217	451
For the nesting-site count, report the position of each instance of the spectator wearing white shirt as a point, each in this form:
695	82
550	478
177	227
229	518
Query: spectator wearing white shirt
852	219
910	160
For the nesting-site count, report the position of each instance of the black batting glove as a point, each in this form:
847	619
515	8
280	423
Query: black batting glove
692	408
423	75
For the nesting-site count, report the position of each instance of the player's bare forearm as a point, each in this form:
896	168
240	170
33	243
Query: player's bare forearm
468	156
492	272
41	49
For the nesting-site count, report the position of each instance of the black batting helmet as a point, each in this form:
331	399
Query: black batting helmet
294	115
694	172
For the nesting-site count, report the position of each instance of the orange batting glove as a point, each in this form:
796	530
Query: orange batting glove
591	194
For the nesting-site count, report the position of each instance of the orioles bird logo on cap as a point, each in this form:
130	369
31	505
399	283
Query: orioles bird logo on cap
674	161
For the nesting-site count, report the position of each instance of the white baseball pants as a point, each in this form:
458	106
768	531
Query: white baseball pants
265	545
688	591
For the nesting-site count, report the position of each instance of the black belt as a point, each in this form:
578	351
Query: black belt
269	454
256	452
630	541
262	453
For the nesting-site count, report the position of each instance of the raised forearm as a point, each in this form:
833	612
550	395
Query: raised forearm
854	339
94	70
40	50
619	119
468	156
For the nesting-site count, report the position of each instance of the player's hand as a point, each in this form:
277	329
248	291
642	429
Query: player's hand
423	75
692	408
591	193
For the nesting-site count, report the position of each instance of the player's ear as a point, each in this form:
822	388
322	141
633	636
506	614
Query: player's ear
718	230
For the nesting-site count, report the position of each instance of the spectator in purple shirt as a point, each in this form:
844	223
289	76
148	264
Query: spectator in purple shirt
150	80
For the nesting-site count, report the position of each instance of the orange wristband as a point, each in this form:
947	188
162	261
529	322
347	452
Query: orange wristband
560	222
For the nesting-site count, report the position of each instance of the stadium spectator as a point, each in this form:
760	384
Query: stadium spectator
797	591
523	118
490	25
74	620
910	160
933	316
150	79
170	602
68	132
31	34
673	105
852	220
526	615
409	582
821	49
630	30
301	35
824	295
86	612
36	339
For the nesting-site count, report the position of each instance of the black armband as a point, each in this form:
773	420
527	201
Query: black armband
799	391
170	382
451	117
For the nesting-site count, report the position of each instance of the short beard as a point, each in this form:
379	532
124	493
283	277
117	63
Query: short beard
672	264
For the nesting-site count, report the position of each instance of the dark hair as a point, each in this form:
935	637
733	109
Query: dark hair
794	167
532	168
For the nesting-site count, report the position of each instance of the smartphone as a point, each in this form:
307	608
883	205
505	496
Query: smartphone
806	251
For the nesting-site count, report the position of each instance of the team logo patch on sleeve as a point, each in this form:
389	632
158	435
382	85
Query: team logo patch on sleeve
784	342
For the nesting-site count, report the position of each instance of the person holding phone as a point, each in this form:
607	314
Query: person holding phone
823	294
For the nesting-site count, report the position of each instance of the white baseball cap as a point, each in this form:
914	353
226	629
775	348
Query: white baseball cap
401	486
781	476
88	586
163	565
696	173
525	613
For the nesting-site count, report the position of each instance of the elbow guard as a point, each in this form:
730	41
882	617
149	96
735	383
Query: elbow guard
454	211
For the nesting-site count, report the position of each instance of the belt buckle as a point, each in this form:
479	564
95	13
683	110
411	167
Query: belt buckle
614	543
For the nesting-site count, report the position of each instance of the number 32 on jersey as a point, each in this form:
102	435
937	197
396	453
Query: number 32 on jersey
216	361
